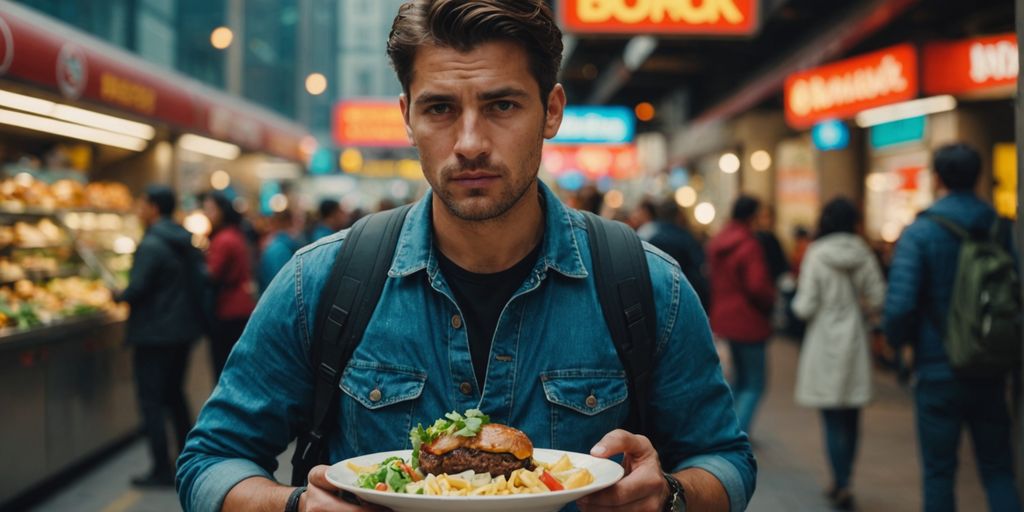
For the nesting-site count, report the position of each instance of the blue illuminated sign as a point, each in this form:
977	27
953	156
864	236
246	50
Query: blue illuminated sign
322	162
268	189
898	132
830	135
596	125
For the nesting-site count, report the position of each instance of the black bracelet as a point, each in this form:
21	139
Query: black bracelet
293	501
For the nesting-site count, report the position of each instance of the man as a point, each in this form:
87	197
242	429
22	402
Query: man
920	286
163	324
333	218
532	350
660	225
742	296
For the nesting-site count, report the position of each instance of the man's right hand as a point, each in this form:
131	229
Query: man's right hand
322	496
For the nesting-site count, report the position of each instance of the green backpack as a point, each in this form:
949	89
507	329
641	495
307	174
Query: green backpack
983	327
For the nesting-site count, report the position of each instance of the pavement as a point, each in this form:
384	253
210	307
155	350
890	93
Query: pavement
788	442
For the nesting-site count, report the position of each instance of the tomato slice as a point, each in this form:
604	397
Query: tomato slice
381	486
409	471
551	482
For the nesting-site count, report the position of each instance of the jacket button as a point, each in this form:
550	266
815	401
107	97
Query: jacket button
456	321
375	395
591	401
466	388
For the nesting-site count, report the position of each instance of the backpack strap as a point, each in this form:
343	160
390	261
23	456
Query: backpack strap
623	285
355	285
950	226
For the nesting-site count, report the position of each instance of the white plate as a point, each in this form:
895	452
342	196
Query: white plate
606	473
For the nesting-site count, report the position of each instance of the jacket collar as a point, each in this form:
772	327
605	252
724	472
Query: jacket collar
560	251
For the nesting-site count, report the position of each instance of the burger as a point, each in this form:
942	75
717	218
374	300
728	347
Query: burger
458	443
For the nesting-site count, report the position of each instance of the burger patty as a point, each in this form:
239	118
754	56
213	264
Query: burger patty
462	459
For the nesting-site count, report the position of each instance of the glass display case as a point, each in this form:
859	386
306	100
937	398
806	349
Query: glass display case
63	248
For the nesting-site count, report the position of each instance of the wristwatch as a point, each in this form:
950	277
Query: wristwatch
292	505
676	501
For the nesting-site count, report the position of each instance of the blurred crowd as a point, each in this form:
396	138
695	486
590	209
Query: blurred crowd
853	309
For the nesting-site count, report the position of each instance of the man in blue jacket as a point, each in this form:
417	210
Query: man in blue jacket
489	303
920	285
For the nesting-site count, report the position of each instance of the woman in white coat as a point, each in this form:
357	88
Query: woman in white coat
840	285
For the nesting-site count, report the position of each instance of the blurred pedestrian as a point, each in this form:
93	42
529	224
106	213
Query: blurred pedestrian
333	218
921	280
282	242
840	287
775	257
662	226
163	324
742	297
231	271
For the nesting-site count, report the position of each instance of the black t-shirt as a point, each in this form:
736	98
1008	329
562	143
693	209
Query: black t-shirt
481	298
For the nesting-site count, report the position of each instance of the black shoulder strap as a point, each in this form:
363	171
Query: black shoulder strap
623	284
355	284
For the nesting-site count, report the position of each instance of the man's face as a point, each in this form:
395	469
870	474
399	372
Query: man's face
479	124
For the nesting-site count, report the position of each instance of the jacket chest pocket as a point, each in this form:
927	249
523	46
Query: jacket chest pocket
585	405
378	405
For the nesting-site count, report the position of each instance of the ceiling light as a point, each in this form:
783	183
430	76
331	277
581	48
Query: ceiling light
905	110
316	84
26	103
644	111
729	163
75	131
220	179
760	160
111	123
76	115
221	37
704	213
686	196
209	147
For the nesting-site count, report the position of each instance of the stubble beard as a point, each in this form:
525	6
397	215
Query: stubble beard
507	198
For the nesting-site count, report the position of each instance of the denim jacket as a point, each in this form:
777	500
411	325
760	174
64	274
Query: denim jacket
553	370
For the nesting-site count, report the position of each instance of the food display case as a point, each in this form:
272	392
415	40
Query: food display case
63	364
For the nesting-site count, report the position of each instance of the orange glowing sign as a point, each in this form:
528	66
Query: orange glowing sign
981	64
369	123
705	17
844	88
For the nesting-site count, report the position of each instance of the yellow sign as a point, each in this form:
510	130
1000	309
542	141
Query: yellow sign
127	93
1004	174
713	17
406	169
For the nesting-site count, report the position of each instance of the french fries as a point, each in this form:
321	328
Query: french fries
521	481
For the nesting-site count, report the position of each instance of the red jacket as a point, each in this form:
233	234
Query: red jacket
742	293
231	269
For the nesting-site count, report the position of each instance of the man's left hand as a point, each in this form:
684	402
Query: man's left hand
642	489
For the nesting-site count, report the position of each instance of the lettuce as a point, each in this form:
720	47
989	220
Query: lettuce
453	423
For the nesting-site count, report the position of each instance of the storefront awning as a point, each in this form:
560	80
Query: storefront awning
47	54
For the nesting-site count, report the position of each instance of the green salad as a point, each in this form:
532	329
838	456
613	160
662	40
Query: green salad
392	473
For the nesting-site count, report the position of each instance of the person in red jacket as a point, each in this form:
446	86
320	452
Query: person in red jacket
231	270
742	296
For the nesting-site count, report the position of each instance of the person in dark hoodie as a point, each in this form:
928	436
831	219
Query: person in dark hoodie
742	296
660	224
163	324
921	279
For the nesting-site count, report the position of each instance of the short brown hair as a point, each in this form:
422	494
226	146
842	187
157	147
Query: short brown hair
464	25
